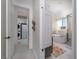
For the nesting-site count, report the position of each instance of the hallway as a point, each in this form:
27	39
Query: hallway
22	52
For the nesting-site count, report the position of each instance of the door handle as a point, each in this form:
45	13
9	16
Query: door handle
42	49
8	37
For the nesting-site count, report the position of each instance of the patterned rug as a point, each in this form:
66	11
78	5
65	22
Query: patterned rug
57	51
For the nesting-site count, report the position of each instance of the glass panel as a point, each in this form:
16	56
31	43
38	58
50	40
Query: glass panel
62	23
59	22
24	31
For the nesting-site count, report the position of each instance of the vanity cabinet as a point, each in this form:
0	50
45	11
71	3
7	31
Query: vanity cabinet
48	51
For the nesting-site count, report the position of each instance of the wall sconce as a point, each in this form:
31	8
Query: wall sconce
33	27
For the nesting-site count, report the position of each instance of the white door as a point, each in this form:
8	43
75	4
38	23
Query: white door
10	30
3	29
46	29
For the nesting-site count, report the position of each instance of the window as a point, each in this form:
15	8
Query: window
62	23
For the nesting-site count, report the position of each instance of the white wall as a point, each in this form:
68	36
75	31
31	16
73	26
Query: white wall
36	33
41	38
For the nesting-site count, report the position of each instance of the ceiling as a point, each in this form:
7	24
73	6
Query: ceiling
57	7
23	2
60	7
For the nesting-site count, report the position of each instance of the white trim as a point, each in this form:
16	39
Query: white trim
30	23
74	29
42	8
7	52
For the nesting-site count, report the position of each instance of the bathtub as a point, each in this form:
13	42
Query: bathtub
59	38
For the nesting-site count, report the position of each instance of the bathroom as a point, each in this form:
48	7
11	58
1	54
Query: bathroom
61	34
61	15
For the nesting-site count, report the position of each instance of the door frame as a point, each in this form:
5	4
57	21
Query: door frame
30	23
74	28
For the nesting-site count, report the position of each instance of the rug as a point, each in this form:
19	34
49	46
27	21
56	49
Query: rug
57	50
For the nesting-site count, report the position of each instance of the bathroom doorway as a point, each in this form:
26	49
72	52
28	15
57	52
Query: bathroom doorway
61	16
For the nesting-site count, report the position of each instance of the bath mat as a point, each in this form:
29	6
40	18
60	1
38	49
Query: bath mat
57	51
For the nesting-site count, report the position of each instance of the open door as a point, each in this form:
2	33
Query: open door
7	36
3	29
10	30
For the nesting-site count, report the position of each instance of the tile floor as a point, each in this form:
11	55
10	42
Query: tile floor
66	55
22	52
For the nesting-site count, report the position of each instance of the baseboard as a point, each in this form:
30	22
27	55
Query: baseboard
35	55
